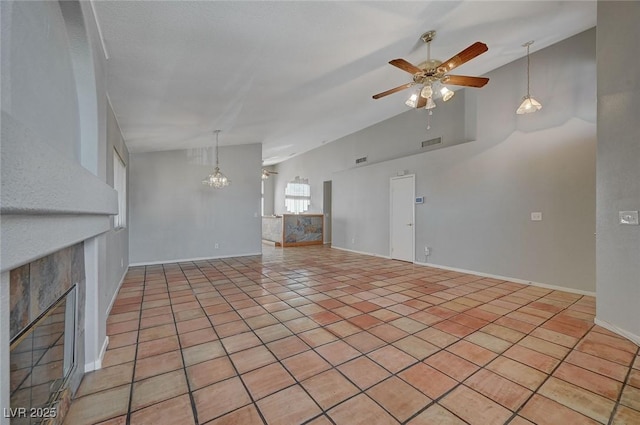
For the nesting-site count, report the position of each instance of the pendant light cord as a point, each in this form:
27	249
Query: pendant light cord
528	70
528	45
217	132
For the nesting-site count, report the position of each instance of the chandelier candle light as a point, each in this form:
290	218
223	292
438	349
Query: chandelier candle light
216	180
528	104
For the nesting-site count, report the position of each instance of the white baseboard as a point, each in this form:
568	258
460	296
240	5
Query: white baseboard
510	279
186	260
360	252
96	365
613	328
115	294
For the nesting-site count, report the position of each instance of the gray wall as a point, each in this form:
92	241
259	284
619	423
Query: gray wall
397	137
175	217
479	195
117	240
268	195
54	188
618	166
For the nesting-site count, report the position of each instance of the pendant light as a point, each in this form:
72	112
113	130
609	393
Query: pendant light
528	104
216	180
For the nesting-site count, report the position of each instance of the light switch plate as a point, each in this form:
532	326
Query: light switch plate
536	216
629	217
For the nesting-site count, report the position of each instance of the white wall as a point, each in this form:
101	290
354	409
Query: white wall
175	217
479	195
618	246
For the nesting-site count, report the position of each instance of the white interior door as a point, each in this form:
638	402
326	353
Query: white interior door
326	208
402	218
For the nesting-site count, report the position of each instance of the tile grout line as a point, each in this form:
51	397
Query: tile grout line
461	383
624	385
292	278
550	374
334	367
184	365
441	349
323	412
279	361
135	354
222	345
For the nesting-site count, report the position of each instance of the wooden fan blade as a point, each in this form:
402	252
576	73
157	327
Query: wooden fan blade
393	90
463	80
476	49
422	102
406	66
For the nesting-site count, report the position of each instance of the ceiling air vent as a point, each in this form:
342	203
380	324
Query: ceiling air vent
432	142
361	160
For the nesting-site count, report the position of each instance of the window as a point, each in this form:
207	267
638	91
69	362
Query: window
297	195
120	185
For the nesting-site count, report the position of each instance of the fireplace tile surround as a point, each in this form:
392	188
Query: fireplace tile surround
36	286
46	299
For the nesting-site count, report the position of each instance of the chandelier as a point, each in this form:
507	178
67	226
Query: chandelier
216	179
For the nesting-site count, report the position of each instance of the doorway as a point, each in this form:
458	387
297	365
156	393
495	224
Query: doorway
326	208
402	217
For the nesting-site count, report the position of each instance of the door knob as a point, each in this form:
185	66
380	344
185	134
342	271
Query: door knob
409	224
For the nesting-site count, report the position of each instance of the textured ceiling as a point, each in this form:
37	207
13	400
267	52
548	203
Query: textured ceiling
294	75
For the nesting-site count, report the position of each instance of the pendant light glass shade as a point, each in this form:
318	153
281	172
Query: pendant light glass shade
216	179
430	103
446	93
528	104
412	102
427	91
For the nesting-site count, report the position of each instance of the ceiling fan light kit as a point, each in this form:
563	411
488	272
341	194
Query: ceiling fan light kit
432	74
412	101
446	93
528	104
266	173
217	180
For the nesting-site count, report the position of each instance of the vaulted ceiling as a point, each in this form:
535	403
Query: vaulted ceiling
295	75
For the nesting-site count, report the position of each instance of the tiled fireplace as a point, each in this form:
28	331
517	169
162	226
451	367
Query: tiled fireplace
46	299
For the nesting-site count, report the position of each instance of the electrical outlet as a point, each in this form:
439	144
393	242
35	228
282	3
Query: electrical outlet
427	250
353	240
629	217
536	216
216	246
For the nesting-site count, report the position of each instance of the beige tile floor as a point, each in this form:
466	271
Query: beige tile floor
318	336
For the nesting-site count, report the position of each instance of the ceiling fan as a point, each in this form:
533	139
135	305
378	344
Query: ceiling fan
266	173
433	72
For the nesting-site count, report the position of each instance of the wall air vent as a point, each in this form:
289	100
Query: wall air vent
361	160
432	142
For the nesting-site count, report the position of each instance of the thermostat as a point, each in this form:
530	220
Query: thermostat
420	200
